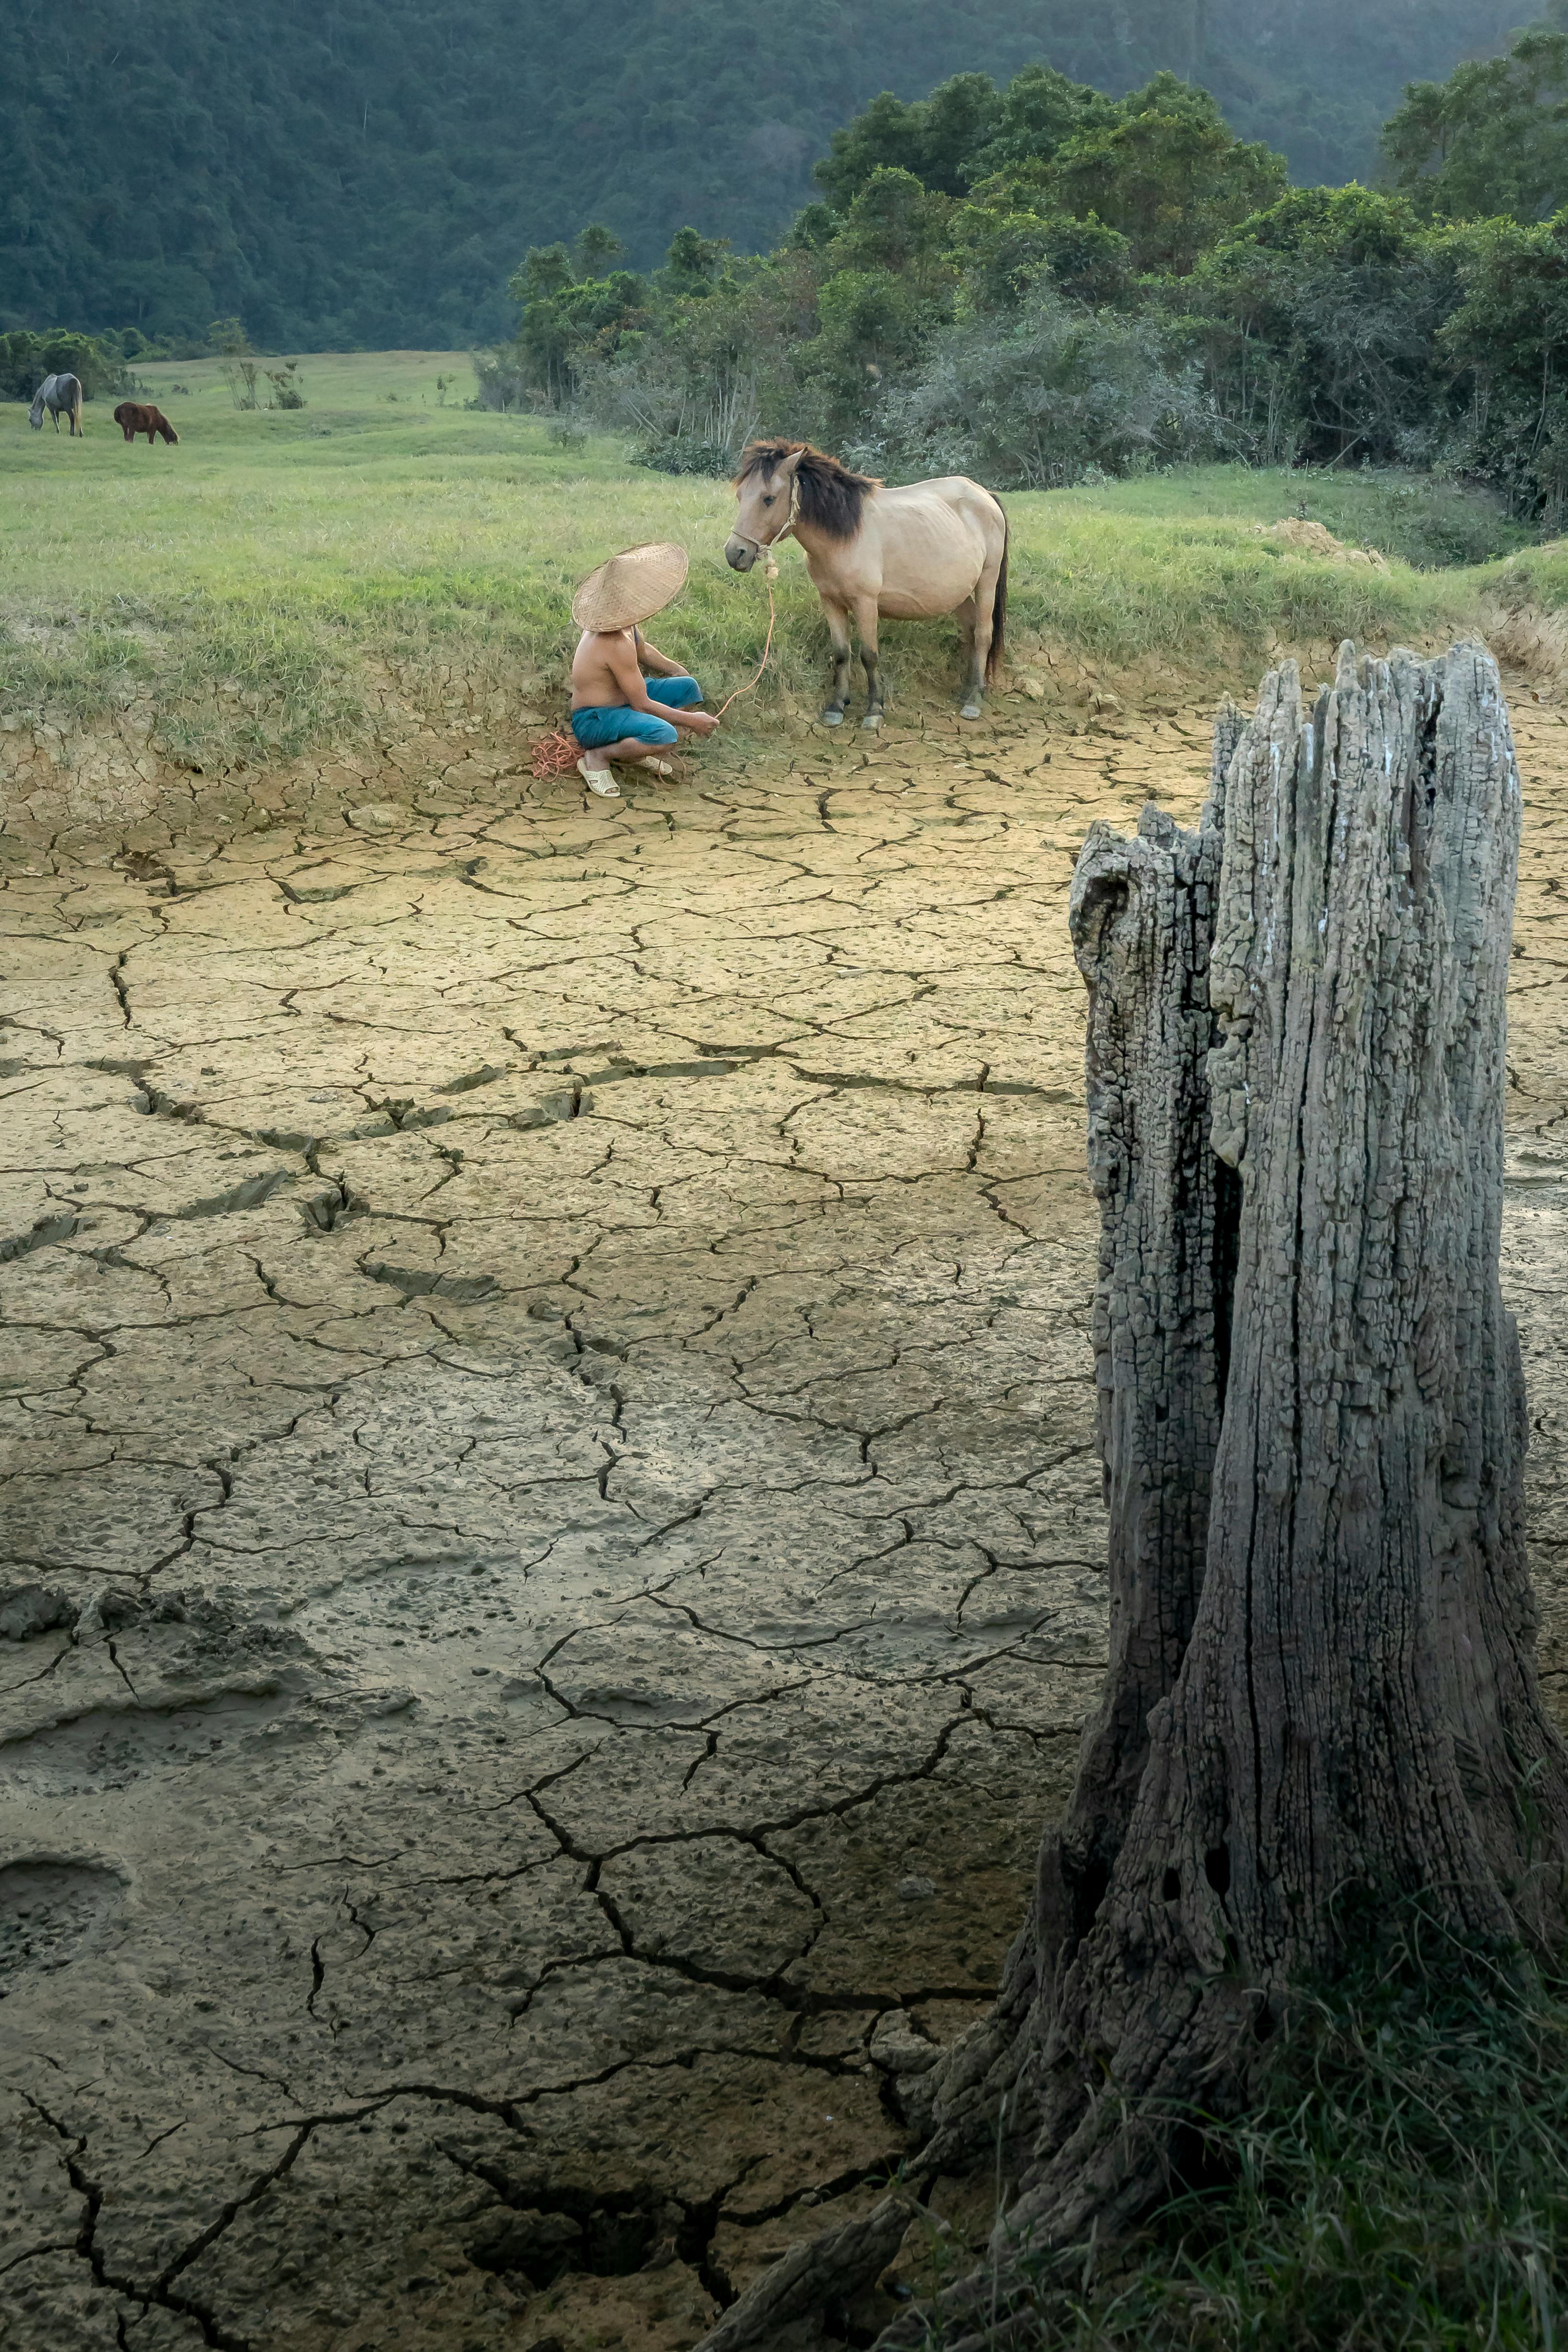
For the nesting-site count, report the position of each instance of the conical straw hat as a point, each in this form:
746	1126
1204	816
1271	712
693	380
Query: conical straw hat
630	587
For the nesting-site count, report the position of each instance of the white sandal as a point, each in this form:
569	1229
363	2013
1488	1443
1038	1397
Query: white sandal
600	780
660	767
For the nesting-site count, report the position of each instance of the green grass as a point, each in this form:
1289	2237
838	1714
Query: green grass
234	587
1401	2184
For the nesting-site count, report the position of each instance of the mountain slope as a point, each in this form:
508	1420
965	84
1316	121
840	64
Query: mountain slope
342	173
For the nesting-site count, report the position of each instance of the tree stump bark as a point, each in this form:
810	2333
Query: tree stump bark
1142	915
1322	1697
1355	1718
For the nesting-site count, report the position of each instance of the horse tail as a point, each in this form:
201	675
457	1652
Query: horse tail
999	609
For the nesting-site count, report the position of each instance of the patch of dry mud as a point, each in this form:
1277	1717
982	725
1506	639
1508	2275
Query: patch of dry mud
548	1410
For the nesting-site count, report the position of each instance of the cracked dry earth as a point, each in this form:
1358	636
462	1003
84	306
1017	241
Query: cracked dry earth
554	1531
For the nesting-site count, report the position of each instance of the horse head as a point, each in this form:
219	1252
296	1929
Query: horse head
767	495
35	414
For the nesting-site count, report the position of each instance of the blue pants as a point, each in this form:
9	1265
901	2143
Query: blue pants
612	722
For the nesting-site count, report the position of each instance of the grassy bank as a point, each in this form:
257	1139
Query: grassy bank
235	585
1401	2183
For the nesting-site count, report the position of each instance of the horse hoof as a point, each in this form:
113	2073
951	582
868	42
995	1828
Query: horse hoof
970	710
833	718
871	723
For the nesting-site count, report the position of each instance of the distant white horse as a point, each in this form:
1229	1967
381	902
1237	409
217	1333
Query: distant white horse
61	395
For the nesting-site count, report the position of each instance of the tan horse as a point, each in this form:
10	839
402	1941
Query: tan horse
932	547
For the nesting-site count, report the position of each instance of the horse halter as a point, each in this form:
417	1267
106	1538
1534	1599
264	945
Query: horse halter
766	546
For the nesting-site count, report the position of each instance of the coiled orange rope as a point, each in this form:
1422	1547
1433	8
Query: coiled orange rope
555	755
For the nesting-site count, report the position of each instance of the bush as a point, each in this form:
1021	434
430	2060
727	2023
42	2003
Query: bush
1501	339
286	389
680	410
501	381
1052	395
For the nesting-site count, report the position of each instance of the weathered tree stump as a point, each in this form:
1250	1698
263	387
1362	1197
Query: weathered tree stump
1142	915
1323	1695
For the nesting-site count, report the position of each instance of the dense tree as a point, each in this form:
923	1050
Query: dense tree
570	317
692	264
1008	244
1492	139
896	225
1507	340
1112	296
369	173
964	131
1161	166
1168	172
1318	321
1040	110
26	359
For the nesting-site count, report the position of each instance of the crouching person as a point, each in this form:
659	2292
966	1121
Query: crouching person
629	701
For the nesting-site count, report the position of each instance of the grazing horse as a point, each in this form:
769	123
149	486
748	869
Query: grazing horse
57	394
932	547
133	416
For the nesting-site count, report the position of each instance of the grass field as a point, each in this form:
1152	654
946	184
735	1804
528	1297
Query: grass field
237	582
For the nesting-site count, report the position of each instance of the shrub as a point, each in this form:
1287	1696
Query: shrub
501	382
1051	395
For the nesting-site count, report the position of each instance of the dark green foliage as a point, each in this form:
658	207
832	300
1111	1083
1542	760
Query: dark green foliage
1168	172
1318	321
1040	110
1160	166
1008	246
941	139
369	173
568	318
1504	338
692	264
1114	297
26	359
896	225
1492	139
934	332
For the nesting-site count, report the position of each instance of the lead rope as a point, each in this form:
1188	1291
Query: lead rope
555	755
771	575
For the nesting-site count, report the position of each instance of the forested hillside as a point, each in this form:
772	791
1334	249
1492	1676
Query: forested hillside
367	171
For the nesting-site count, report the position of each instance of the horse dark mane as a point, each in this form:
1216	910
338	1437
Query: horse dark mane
830	496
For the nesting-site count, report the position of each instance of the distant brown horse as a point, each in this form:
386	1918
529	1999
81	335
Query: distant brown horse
134	416
904	554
